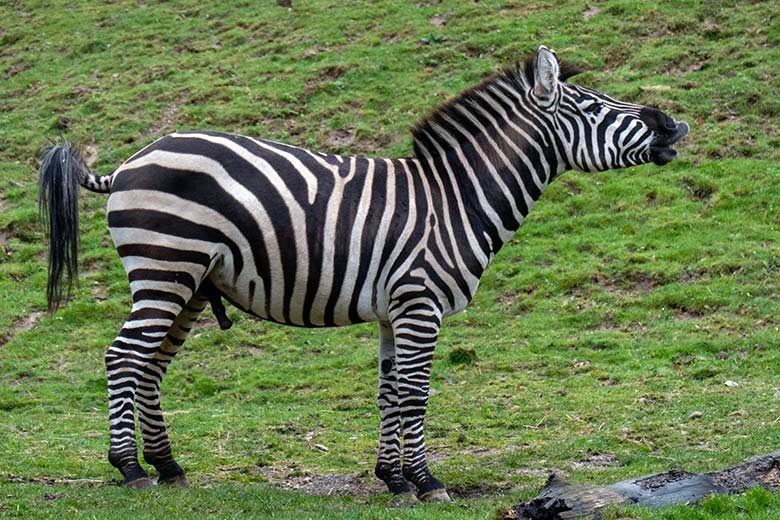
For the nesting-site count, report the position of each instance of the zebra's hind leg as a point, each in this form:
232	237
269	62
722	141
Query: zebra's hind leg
157	446
388	464
128	360
416	330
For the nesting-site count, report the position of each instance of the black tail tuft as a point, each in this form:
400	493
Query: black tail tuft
58	193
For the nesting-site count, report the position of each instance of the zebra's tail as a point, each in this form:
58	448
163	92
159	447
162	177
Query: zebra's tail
62	172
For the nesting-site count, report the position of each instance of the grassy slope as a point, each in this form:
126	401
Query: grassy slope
622	306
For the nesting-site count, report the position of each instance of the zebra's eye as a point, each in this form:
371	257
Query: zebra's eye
592	108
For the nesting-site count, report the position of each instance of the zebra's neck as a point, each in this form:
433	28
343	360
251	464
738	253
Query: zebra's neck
497	154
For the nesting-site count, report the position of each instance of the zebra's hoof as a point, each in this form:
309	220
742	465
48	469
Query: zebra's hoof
140	483
435	495
403	500
177	481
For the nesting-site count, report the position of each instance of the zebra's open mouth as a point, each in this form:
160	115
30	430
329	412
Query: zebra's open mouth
661	151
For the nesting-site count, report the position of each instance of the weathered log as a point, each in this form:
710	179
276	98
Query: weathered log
560	500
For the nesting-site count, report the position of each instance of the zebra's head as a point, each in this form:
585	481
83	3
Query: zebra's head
600	132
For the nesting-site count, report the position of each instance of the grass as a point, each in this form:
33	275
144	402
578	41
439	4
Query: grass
621	307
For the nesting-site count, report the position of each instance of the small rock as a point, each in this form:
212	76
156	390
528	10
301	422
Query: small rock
731	383
738	413
696	415
320	447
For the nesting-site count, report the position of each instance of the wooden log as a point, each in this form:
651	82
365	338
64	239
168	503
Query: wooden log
561	500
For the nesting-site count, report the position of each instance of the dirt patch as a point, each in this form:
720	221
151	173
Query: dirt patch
589	13
27	323
16	68
698	189
22	325
340	138
686	314
596	460
479	490
643	282
332	73
606	284
166	123
5	236
206	322
90	155
361	484
99	292
438	20
507	299
325	76
50	481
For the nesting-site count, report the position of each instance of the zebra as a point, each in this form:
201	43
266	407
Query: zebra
312	239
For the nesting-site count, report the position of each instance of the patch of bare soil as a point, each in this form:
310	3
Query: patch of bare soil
90	155
49	481
27	323
325	76
438	20
22	325
479	490
596	460
5	236
206	322
340	138
99	292
590	12
359	484
16	68
606	284
507	299
166	123
686	314
643	282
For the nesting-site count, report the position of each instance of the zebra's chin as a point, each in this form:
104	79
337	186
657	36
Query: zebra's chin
662	155
661	151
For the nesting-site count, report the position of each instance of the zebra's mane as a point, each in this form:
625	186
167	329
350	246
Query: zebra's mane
520	77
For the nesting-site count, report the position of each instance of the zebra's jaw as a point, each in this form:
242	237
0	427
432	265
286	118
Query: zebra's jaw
661	151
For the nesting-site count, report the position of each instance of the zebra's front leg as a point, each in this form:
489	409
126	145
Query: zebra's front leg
388	463
157	446
415	334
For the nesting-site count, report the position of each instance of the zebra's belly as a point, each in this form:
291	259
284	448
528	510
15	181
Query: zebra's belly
294	306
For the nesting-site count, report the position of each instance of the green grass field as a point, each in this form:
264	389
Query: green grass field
623	305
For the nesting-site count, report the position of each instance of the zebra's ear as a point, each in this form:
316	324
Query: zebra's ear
547	71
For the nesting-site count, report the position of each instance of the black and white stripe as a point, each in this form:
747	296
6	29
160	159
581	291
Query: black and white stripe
312	239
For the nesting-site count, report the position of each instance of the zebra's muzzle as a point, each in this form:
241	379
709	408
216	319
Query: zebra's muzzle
660	149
